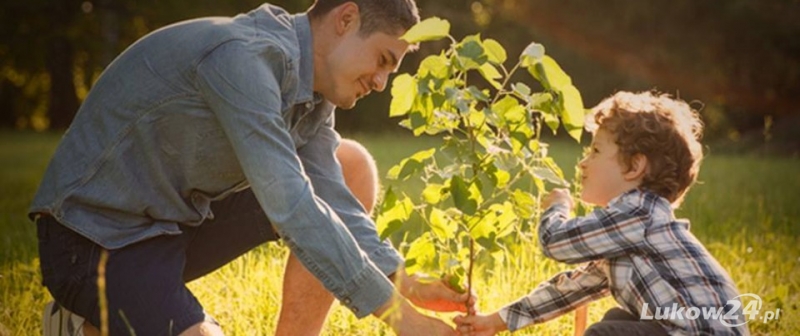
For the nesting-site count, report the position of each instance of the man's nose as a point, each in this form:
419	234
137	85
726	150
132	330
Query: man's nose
379	81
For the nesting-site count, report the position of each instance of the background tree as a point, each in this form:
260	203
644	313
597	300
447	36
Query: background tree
740	59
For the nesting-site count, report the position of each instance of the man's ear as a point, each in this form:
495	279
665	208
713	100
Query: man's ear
347	17
638	168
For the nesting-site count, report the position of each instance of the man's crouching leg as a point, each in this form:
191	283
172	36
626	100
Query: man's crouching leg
306	302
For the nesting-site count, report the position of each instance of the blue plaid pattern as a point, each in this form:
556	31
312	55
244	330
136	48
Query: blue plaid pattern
635	250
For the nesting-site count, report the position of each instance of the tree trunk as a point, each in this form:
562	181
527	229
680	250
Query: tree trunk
63	100
60	60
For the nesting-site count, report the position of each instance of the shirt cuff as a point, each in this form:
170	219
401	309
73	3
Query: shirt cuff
369	290
387	259
557	208
505	316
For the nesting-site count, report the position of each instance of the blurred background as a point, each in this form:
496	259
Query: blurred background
737	61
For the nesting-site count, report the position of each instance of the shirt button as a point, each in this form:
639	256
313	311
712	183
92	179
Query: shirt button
347	301
309	105
355	310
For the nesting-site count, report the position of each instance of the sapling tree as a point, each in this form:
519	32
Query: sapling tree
483	183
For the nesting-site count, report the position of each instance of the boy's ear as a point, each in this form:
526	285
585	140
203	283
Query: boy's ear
638	167
347	17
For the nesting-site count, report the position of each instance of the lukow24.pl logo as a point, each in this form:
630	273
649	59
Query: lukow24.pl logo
731	315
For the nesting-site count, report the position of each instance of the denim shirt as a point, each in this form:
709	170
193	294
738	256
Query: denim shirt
201	109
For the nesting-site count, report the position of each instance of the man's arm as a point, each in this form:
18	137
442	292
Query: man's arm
609	232
318	157
242	90
557	296
319	161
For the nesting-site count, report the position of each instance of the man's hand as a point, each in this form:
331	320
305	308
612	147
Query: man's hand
434	294
558	195
407	321
479	325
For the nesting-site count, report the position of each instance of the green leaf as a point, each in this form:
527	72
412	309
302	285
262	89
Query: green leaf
509	110
550	163
548	175
421	253
524	203
410	165
533	53
430	29
392	214
455	281
550	74
404	90
521	89
442	225
495	51
500	178
423	154
484	227
462	196
470	54
434	65
417	123
573	113
477	119
433	193
505	219
490	73
477	94
543	102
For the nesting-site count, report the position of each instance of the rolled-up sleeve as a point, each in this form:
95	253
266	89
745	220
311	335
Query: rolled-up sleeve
241	87
319	161
559	295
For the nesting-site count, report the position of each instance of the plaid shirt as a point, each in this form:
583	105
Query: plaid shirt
639	253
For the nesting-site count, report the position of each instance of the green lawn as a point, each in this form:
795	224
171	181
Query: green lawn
745	209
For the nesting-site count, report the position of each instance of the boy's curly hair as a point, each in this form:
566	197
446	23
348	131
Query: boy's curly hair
665	130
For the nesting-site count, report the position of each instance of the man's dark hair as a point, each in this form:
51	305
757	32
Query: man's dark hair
386	16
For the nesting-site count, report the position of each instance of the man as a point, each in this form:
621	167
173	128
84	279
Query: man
209	137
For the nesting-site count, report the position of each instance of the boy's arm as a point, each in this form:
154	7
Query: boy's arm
605	233
557	296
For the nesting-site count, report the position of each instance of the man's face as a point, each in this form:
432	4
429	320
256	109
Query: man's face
359	64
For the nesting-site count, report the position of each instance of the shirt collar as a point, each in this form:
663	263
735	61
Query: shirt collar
303	30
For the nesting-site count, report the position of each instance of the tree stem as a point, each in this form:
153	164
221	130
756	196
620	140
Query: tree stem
469	272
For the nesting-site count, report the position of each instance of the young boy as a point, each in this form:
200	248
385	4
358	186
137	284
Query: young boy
644	157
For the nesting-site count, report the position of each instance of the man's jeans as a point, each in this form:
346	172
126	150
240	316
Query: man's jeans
619	322
145	281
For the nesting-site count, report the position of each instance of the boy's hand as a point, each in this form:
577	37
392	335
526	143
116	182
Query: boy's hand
558	195
435	294
479	325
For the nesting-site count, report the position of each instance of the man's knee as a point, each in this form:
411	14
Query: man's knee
600	329
360	172
204	328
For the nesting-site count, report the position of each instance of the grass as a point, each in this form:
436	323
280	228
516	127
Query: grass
745	211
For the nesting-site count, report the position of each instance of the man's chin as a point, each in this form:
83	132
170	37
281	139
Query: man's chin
346	105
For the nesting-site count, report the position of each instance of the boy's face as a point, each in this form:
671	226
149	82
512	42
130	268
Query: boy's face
357	65
603	175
